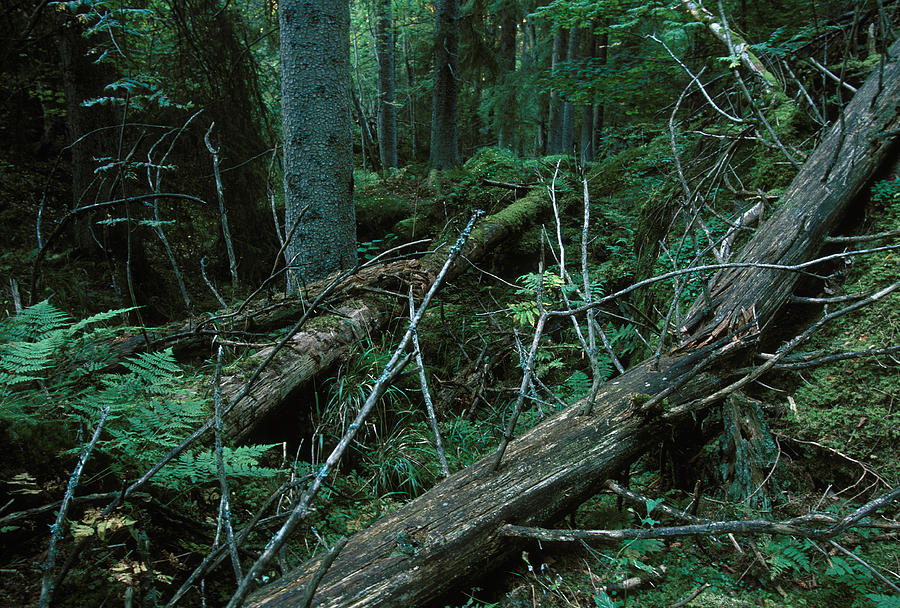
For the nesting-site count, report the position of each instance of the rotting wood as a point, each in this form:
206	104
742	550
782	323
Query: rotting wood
452	534
362	312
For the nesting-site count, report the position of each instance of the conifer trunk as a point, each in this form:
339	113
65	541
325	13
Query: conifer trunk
387	112
444	132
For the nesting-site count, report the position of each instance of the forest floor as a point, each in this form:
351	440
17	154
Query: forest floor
822	438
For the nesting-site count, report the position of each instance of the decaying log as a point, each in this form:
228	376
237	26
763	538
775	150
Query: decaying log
452	533
367	309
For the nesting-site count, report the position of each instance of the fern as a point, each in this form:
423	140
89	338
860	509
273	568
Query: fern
46	360
201	467
37	339
785	557
884	601
33	323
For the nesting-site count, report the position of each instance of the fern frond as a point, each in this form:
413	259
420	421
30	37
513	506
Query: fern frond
98	318
155	370
34	322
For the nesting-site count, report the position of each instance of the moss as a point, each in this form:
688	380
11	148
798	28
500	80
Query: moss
376	215
521	213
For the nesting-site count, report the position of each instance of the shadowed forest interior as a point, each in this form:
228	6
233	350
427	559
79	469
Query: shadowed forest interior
451	303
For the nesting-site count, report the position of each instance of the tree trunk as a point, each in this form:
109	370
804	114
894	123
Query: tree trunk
318	153
451	534
602	45
387	112
330	337
89	129
568	119
444	152
506	108
555	112
586	147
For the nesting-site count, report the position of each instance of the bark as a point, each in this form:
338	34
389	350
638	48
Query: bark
506	110
586	147
568	120
359	313
602	46
318	153
555	111
453	532
735	44
387	112
444	152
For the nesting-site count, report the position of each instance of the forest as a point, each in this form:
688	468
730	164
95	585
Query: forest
450	303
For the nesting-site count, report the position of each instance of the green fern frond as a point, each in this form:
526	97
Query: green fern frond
155	370
98	318
201	467
34	322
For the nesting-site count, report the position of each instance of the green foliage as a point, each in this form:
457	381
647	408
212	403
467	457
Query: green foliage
242	462
51	375
786	556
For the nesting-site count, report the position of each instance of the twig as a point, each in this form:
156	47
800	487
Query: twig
527	374
66	219
785	349
215	557
209	284
696	80
832	75
798	526
287	241
818	115
862	465
426	395
662	507
690	597
873	352
220	192
28	513
862	237
220	469
694	269
865	565
155	187
56	530
321	570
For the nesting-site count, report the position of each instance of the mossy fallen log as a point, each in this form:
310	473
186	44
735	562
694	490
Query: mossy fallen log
364	308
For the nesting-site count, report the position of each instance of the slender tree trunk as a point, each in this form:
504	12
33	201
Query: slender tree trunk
586	147
736	45
602	46
410	100
318	153
555	112
387	112
444	152
568	121
506	108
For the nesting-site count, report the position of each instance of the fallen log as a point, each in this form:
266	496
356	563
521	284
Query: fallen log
453	533
366	308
